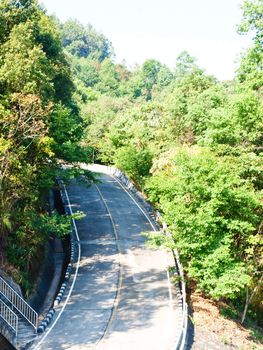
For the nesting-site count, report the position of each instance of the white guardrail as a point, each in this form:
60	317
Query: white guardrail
9	316
18	303
181	341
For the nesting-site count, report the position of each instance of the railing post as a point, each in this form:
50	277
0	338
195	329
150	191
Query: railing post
18	303
9	317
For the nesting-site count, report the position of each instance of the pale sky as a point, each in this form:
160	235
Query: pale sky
161	29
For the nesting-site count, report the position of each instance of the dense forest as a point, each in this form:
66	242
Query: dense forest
40	130
191	143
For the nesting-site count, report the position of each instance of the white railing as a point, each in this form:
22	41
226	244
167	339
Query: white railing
18	303
9	316
181	342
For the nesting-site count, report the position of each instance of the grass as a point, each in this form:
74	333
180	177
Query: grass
256	334
228	311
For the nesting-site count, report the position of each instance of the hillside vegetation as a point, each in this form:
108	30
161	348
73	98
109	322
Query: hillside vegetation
40	129
191	143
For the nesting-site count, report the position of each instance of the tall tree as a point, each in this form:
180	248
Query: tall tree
251	68
40	127
85	41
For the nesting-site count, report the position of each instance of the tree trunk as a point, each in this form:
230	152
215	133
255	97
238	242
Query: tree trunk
248	299
246	306
3	246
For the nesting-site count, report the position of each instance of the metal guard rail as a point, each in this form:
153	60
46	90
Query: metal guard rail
181	342
18	303
9	316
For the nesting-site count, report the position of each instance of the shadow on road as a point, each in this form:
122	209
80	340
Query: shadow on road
132	281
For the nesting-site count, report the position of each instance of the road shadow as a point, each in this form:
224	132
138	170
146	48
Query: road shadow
123	276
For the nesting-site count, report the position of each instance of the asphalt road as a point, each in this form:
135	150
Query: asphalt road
121	298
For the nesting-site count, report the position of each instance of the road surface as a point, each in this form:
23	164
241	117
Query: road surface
120	297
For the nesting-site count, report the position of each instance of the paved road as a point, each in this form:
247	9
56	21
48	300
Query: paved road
121	299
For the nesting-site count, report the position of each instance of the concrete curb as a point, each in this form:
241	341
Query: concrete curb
61	292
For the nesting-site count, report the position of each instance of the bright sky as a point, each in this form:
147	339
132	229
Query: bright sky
161	29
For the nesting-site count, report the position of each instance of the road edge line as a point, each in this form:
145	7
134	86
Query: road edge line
74	279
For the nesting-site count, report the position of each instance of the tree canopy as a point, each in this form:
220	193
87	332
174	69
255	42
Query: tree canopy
84	41
40	128
194	146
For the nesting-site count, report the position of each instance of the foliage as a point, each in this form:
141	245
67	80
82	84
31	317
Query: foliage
185	64
84	41
213	214
36	229
108	77
193	143
204	139
135	163
251	67
40	129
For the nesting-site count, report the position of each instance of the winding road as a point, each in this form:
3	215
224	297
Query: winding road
120	296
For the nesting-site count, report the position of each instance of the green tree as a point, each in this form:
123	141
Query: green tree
251	67
135	163
239	122
84	41
40	128
150	70
13	13
214	216
185	64
86	70
25	147
24	65
109	78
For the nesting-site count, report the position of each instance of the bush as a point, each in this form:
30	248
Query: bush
135	163
214	215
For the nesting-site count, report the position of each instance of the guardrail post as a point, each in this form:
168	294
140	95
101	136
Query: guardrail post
18	303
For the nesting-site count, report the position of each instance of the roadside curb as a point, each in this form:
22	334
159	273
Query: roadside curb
68	272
